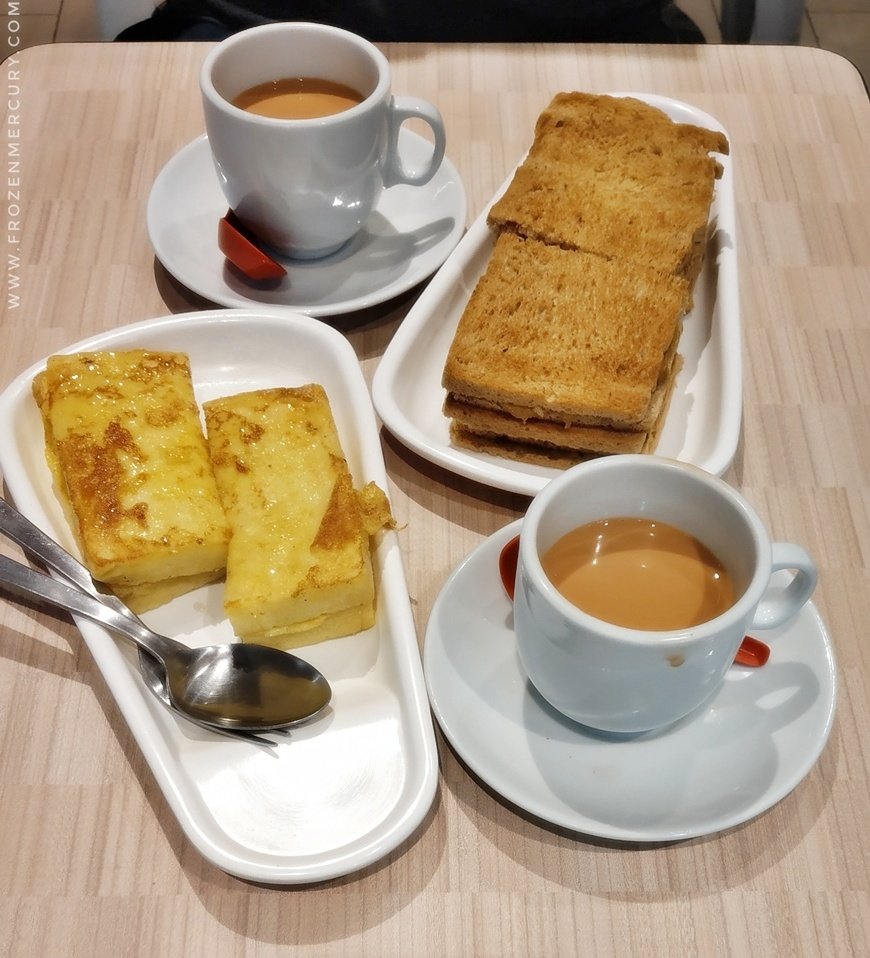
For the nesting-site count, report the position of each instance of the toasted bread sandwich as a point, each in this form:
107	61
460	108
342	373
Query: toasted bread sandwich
616	177
565	336
299	567
549	442
567	347
126	448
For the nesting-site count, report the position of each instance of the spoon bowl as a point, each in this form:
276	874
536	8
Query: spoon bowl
238	686
154	676
242	686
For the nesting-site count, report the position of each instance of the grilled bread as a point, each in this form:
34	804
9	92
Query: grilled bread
557	334
130	462
616	177
299	566
539	440
567	347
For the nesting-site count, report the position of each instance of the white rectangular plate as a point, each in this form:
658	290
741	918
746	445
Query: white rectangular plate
338	793
703	422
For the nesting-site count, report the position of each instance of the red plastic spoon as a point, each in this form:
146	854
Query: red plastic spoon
242	249
507	565
752	652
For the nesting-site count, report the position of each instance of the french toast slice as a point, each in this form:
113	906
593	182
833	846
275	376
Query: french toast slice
299	566
149	595
130	463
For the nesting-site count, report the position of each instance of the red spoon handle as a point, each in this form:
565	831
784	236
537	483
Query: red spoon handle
242	250
752	652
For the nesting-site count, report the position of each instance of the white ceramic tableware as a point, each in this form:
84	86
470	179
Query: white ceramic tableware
409	234
624	680
703	422
732	759
306	186
344	790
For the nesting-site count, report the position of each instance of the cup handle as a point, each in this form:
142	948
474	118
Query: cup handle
412	108
775	610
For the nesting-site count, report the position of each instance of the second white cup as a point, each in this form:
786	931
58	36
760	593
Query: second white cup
621	679
306	186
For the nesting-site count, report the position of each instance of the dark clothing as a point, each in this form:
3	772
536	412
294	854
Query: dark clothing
544	21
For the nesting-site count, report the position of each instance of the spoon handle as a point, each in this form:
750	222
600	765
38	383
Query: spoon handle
33	540
23	579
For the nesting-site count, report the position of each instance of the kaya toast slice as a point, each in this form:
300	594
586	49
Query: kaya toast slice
563	336
550	443
617	177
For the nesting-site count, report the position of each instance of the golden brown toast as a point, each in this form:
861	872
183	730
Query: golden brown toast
538	455
567	346
125	444
616	177
565	336
299	566
547	442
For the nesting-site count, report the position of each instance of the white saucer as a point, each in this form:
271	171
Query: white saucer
733	759
410	233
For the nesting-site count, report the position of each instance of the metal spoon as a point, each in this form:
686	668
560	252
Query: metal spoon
242	686
238	686
154	676
33	540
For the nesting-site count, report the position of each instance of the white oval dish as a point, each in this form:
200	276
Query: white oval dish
343	791
703	421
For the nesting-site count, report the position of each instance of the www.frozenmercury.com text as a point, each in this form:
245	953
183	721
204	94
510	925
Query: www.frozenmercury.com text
12	219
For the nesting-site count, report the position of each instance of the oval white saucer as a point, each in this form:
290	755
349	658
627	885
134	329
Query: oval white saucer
728	762
410	233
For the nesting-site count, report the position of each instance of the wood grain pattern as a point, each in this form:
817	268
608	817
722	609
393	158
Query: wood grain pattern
92	861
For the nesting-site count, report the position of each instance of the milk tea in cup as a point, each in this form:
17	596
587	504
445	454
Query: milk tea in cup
298	98
304	133
639	573
637	579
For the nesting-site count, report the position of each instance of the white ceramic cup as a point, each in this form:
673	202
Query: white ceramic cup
624	680
307	186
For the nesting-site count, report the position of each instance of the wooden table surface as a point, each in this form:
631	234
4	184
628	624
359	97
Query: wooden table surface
92	861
